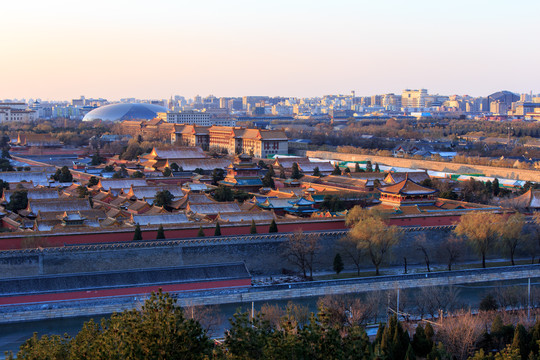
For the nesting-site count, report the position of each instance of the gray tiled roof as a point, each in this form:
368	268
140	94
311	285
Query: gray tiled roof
161	219
122	183
247	216
37	177
209	209
65	204
35	194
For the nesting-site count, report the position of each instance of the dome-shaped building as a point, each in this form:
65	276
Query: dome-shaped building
125	111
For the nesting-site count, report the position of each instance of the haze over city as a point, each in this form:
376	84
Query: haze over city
61	49
243	179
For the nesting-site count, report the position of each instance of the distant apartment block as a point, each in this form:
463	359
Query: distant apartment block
16	112
201	118
191	135
391	102
524	108
256	142
413	98
186	117
235	140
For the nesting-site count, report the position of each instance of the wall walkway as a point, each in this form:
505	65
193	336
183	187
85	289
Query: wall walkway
269	293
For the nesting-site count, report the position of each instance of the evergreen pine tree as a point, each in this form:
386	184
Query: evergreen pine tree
137	235
356	167
489	187
217	231
409	355
497	326
167	172
421	345
317	172
160	233
521	341
347	170
201	232
338	263
268	181
253	229
377	168
535	337
496	187
273	227
369	167
430	333
378	336
337	170
295	172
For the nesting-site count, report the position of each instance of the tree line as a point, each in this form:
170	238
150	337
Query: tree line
163	330
370	237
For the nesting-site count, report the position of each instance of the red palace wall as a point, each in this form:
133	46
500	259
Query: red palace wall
55	240
426	221
132	291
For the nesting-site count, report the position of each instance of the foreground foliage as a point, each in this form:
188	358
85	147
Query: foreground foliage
162	330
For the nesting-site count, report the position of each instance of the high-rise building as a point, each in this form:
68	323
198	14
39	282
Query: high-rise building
376	100
391	102
413	98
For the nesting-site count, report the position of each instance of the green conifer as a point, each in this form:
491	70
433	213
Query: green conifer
160	233
338	263
137	235
201	232
273	227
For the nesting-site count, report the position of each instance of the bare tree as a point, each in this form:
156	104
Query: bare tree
273	314
434	298
460	333
374	236
510	236
421	245
373	302
451	251
510	297
349	248
531	242
207	315
300	313
480	229
300	250
343	310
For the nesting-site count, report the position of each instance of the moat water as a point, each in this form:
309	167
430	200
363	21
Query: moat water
12	336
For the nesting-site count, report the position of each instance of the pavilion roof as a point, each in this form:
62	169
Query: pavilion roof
407	187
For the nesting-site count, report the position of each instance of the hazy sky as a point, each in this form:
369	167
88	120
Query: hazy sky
60	49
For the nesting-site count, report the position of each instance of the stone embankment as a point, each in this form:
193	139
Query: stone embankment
263	253
42	311
506	173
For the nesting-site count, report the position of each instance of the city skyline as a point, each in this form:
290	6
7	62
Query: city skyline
59	50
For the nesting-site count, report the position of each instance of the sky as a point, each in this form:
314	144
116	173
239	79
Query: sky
61	49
